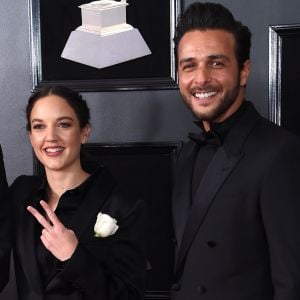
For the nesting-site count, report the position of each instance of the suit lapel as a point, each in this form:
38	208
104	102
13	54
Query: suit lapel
93	201
182	189
217	171
97	194
27	243
222	164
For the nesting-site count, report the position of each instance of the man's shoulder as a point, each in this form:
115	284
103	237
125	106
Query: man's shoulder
187	148
271	132
265	131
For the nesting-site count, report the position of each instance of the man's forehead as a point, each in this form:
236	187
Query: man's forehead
207	43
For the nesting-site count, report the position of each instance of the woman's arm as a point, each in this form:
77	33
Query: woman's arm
5	227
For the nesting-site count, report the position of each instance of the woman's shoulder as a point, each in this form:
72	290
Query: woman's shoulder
25	182
22	189
120	200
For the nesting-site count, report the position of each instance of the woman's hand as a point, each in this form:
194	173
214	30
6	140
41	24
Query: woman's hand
59	240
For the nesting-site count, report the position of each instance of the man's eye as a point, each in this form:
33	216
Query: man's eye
188	67
217	64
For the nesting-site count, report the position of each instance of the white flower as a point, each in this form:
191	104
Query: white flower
105	225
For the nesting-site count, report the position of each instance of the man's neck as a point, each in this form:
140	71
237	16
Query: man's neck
227	114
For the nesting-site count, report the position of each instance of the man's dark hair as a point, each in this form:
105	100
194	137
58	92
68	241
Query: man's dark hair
202	16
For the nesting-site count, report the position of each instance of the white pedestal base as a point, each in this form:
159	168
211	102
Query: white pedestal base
102	51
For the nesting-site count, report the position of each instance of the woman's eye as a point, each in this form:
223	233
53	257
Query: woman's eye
37	126
64	125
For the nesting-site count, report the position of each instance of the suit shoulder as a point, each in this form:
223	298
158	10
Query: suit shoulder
25	183
25	179
120	200
272	145
274	134
186	150
125	203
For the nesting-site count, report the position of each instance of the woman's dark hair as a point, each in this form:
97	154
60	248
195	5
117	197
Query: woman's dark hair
73	98
203	16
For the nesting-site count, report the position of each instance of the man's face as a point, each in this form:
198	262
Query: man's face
210	82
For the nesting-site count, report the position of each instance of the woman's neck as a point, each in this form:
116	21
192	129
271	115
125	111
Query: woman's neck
59	182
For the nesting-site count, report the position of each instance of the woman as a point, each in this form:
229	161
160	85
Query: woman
61	249
5	234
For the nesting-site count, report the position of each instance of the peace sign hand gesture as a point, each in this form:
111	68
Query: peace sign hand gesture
59	240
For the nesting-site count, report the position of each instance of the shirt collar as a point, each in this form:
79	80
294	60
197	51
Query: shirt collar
219	131
92	168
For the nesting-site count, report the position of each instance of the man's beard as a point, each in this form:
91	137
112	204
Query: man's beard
223	105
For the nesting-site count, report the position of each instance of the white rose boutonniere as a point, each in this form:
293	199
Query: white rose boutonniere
105	225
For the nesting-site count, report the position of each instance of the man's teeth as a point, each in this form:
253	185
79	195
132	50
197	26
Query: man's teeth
53	150
205	95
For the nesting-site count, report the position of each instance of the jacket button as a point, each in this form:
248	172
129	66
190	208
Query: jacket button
176	286
201	289
211	244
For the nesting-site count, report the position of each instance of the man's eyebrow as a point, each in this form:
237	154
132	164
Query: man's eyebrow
212	57
218	56
186	60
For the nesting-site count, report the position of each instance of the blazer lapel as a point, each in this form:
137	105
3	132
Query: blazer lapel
97	195
94	200
217	171
182	189
26	241
222	164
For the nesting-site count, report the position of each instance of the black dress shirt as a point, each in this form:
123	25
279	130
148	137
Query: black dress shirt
65	210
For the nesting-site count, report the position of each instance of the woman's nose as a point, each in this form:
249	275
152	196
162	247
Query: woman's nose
51	134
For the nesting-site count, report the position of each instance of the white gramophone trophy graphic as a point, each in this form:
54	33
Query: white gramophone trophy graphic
104	38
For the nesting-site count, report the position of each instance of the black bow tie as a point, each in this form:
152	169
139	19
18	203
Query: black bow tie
205	138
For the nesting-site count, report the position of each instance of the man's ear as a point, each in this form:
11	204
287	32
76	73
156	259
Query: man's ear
245	72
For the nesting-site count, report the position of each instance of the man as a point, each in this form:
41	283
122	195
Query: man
236	198
5	240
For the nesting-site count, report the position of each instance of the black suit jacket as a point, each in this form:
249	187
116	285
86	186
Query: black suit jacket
108	268
5	234
240	240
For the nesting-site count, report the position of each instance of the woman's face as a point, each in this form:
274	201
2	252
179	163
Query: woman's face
55	135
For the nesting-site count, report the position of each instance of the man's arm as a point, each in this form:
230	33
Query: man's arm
280	202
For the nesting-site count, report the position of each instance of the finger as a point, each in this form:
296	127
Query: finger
47	238
46	234
50	213
40	218
45	242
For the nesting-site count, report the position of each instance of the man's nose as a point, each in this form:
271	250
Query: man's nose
202	75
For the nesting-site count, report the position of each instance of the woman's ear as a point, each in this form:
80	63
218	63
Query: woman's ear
85	133
29	136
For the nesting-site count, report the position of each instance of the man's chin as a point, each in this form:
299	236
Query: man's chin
203	115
